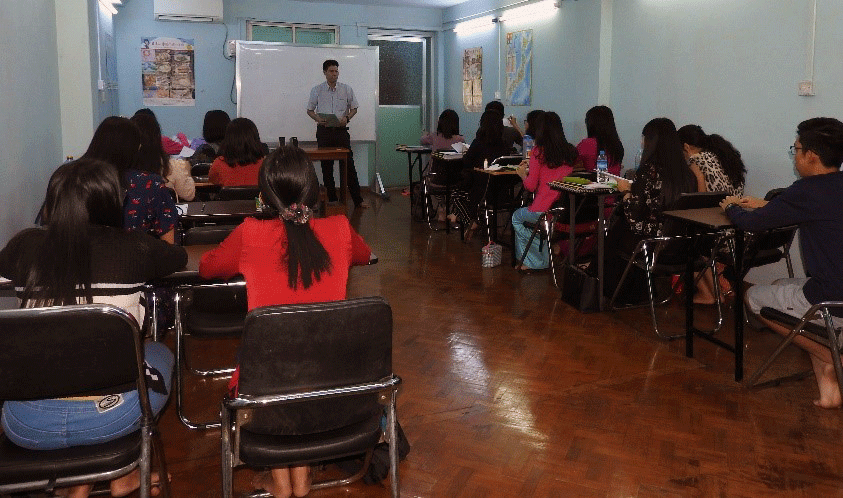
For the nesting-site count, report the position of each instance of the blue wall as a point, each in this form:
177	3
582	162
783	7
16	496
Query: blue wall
30	117
215	73
565	62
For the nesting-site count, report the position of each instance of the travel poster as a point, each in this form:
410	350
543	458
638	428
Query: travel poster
519	63
167	72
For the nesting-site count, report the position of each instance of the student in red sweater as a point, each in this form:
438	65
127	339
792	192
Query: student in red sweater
241	155
291	258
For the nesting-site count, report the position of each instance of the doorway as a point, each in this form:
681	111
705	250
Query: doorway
404	105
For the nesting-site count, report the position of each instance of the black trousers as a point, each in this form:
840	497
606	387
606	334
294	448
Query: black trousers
338	137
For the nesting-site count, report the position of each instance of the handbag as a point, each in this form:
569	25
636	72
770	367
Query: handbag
492	255
580	289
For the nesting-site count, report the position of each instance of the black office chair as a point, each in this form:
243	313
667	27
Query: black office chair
825	334
667	256
207	312
238	193
314	380
67	351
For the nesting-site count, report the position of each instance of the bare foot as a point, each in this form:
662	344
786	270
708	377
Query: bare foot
123	486
81	491
301	477
269	481
452	218
827	383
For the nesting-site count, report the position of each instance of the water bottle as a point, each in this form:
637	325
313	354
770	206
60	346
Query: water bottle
638	158
602	168
527	146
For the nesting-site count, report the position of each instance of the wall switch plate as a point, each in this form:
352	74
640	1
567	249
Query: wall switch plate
497	95
230	48
806	88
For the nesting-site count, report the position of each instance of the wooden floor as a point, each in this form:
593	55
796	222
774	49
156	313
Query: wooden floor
509	392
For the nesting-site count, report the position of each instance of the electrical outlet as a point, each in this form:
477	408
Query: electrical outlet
497	95
806	88
230	48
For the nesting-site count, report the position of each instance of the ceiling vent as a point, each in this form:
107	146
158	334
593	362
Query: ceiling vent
188	10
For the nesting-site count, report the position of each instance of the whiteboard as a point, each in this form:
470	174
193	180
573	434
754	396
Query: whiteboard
274	81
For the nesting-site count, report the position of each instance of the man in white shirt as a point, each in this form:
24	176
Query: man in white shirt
332	97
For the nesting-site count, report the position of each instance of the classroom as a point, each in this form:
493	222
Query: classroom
748	70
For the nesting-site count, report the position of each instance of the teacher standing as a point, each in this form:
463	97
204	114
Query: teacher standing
332	97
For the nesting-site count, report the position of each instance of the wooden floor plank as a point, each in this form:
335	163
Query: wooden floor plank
509	392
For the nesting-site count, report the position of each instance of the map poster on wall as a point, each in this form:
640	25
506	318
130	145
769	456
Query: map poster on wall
167	72
472	79
519	67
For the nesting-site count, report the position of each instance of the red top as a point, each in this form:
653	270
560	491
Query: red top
587	150
227	176
538	178
254	250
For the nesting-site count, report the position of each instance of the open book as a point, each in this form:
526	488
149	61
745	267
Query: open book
460	147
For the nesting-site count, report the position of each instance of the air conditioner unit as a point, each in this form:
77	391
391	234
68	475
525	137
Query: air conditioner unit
188	10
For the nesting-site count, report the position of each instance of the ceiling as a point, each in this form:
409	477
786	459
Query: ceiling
399	3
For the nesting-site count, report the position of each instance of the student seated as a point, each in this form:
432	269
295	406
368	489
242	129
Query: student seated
241	155
812	203
148	205
550	160
718	167
447	134
602	135
487	146
660	179
83	255
153	159
289	259
213	131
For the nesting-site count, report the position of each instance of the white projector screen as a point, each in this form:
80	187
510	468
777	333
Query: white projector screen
274	81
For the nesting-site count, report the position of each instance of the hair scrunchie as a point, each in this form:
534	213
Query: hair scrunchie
299	215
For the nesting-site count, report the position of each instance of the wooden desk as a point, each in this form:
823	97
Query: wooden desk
419	151
218	211
573	191
713	220
333	154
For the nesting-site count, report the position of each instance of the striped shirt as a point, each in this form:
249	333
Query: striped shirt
338	101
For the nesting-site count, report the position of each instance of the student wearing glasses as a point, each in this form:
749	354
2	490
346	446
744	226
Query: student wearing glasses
812	203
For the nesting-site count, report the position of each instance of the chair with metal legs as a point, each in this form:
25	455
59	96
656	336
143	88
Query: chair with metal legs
314	383
806	326
77	350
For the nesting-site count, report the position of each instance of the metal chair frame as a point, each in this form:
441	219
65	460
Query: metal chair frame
803	328
183	361
149	435
230	436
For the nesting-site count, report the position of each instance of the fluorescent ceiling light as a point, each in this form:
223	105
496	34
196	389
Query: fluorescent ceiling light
474	25
109	5
530	12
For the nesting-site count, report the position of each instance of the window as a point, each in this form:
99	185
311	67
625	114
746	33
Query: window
310	34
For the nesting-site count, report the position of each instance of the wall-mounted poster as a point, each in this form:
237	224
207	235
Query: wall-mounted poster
519	66
472	79
167	74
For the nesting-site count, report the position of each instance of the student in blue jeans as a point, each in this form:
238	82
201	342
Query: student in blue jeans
84	255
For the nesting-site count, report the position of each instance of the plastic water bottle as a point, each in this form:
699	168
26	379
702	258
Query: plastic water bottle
602	168
638	158
527	146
